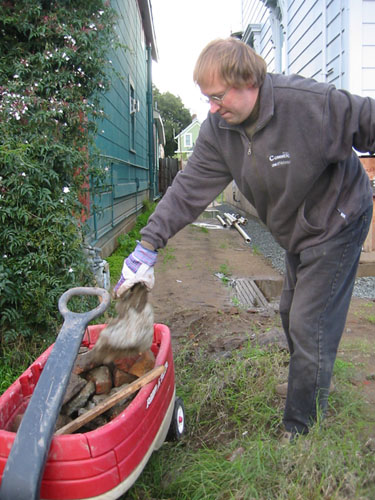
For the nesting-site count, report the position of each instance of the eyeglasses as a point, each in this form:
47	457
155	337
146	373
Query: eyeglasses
217	99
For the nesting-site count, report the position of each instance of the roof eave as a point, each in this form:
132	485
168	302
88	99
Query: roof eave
148	26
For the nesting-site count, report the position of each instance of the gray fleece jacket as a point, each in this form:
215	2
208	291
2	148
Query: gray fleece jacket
298	169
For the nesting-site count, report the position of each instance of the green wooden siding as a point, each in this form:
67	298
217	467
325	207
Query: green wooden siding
192	130
123	138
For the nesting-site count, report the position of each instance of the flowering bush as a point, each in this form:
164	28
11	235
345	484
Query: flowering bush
53	66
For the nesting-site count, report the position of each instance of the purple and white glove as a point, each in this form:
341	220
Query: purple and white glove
138	267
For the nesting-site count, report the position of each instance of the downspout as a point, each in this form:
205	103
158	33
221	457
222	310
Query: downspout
150	124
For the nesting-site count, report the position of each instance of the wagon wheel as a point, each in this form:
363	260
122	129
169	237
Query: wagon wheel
177	426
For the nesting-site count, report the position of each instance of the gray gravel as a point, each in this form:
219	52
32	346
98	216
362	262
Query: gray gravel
263	242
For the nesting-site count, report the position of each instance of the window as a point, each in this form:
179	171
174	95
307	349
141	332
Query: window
132	109
252	36
188	141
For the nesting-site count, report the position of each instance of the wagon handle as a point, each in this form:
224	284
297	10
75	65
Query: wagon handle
78	291
24	469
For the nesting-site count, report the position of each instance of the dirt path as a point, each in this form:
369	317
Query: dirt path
193	301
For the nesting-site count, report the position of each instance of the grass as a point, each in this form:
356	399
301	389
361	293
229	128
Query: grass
367	312
201	229
256	250
166	255
343	369
11	368
127	243
231	449
235	301
364	346
225	273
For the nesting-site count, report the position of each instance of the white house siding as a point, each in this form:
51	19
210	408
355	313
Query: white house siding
329	40
257	25
368	48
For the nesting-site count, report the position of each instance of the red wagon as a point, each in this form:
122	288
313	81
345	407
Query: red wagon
101	464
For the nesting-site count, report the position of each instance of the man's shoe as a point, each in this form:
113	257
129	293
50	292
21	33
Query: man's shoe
282	389
287	438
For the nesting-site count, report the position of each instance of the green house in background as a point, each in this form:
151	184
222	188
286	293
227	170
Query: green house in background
187	138
131	130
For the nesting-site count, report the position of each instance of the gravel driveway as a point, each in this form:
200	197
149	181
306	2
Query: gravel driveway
263	241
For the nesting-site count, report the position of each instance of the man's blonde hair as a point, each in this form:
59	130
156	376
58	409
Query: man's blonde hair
231	60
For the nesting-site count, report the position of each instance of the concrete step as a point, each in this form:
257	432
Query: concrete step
366	264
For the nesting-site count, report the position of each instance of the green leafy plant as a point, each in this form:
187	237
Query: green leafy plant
225	273
235	301
53	67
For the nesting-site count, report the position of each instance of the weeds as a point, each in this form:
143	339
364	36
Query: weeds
224	273
231	449
201	229
363	346
235	301
13	363
256	250
367	312
343	370
167	255
224	269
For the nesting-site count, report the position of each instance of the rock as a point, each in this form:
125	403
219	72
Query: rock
99	398
85	361
144	364
115	390
76	383
370	444
125	364
228	343
61	421
80	400
90	385
275	336
102	378
237	453
120	377
357	379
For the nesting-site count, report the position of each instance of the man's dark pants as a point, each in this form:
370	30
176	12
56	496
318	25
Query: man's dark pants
314	304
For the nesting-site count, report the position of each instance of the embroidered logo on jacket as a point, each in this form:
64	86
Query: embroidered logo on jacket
280	160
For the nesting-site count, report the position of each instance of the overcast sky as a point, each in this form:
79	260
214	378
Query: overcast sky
182	30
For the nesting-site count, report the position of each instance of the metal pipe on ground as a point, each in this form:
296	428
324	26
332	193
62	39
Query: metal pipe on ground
245	236
234	221
221	220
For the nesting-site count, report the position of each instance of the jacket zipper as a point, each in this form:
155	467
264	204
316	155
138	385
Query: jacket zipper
249	149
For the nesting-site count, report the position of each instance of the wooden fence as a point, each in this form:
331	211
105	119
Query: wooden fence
168	168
